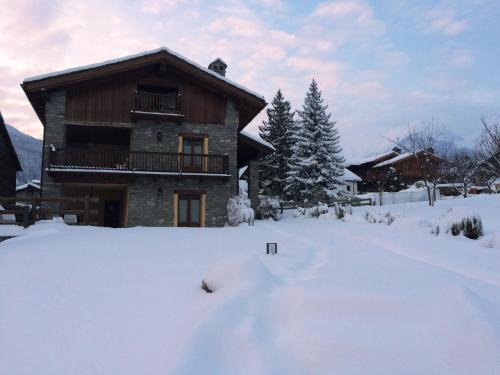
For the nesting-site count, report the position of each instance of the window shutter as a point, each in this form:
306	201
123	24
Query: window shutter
179	151
203	200
176	209
205	152
179	147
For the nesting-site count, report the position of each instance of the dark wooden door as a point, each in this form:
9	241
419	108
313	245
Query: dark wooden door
189	210
112	213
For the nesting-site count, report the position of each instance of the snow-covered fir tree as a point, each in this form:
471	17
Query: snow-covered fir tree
394	181
316	165
277	130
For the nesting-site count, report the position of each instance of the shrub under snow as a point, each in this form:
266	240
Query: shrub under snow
459	221
239	211
268	207
378	217
314	211
342	210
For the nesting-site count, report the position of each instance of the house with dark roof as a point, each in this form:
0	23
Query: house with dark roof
155	136
373	170
9	163
28	191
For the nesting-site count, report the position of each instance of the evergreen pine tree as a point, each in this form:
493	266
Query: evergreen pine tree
316	165
278	132
394	181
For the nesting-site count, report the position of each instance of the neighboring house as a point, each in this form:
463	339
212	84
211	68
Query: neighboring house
364	169
9	163
157	137
27	192
351	181
375	169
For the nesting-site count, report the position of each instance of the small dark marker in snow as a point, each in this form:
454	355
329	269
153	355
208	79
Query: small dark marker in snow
205	287
272	248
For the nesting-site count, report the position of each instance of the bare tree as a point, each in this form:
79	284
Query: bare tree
488	151
430	147
461	169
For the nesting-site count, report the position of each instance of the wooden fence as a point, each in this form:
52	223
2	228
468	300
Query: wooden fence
355	202
27	211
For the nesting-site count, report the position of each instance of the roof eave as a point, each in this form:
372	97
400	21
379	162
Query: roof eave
253	101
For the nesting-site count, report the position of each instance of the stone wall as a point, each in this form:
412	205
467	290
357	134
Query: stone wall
144	207
53	134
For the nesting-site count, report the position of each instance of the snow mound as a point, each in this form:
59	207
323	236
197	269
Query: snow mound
239	211
492	241
238	272
451	218
7	218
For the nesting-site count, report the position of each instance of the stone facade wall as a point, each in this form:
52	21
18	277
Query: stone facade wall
144	208
53	134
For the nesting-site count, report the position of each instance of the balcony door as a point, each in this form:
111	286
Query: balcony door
189	211
192	149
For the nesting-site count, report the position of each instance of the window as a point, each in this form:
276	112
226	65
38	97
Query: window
348	188
189	214
193	150
193	146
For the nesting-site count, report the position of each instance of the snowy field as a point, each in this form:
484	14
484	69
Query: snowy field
341	297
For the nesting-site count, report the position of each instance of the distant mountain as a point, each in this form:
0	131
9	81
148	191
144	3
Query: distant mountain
29	151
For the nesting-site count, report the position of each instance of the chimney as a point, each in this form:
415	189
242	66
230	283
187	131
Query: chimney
218	66
397	149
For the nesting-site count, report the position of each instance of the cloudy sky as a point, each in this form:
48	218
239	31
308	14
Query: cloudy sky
381	64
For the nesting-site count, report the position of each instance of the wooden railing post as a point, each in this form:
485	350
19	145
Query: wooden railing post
26	216
33	210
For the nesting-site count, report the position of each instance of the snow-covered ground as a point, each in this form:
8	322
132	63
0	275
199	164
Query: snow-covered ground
339	298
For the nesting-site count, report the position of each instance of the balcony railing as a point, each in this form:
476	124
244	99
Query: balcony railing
67	160
157	105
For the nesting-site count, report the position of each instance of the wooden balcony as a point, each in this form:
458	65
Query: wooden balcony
157	106
134	162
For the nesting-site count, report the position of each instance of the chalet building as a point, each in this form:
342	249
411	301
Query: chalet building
156	137
29	191
9	163
350	182
374	169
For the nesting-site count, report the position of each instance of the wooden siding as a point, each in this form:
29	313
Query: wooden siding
110	100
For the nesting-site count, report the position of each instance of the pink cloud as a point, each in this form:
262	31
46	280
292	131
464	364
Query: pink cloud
443	20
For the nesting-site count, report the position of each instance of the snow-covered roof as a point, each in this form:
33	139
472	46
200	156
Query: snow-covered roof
372	158
25	186
135	56
219	60
257	139
400	157
350	176
394	159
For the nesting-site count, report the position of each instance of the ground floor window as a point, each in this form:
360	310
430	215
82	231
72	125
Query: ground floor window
189	209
